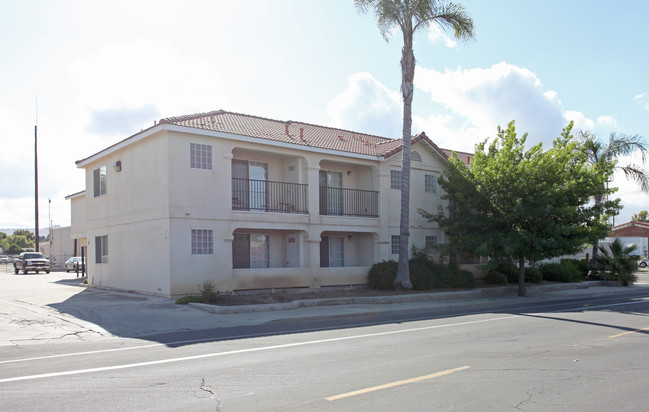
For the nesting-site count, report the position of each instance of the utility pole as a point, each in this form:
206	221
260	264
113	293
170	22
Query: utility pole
49	216
36	240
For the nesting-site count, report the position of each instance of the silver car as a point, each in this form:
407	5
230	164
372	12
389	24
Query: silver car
72	264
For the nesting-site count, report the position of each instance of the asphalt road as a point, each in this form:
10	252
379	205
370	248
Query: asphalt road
584	354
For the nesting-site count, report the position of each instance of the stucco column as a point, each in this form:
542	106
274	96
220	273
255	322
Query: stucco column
313	253
313	181
382	241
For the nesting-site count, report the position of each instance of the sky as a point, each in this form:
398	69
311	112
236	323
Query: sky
90	74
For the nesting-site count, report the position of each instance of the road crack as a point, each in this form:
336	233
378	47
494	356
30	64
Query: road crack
212	394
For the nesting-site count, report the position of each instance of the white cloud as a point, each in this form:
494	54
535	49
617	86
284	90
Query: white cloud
606	121
581	122
367	106
474	102
437	35
487	98
642	100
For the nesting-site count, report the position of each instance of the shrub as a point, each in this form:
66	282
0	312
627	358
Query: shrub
440	275
495	278
618	263
421	276
459	278
558	272
533	275
382	275
504	266
583	268
208	290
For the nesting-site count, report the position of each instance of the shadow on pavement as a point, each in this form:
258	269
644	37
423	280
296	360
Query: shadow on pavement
159	319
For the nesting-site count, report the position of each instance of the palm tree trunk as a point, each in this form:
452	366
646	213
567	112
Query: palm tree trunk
598	200
402	279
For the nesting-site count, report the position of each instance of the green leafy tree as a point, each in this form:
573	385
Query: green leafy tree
618	263
640	217
601	154
23	239
523	204
410	16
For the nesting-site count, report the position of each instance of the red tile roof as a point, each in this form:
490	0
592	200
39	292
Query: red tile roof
291	132
463	156
298	133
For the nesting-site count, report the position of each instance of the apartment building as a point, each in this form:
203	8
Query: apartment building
249	203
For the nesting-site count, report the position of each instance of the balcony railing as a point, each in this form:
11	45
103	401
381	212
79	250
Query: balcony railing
268	196
348	202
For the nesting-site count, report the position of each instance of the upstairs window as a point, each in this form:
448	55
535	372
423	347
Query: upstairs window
395	179
430	184
200	156
99	181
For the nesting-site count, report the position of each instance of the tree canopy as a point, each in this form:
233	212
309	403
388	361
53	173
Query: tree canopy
21	239
640	217
523	203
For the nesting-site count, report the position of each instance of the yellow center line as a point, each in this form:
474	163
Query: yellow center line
628	333
398	383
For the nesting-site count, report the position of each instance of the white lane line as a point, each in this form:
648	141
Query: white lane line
240	351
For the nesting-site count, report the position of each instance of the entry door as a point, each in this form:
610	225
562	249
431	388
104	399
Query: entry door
292	251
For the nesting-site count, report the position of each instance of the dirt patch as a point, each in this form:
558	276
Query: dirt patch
265	297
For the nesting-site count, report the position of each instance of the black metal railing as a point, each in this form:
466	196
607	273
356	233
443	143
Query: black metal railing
348	202
268	196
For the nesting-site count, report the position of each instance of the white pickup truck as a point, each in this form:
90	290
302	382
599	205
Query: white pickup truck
31	262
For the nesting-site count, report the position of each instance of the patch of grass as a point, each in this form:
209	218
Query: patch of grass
190	299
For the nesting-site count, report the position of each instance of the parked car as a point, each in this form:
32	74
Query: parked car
72	264
32	261
5	259
643	263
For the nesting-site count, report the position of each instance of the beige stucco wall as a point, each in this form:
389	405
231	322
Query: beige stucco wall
134	214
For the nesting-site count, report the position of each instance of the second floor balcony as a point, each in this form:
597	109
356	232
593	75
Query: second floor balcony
269	196
348	202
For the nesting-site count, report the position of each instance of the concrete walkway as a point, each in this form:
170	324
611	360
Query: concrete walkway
57	307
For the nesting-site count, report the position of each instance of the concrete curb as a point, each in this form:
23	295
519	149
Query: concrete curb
394	299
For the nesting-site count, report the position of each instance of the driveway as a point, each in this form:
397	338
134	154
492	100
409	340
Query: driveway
57	306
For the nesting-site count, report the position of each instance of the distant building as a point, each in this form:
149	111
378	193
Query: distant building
59	248
632	229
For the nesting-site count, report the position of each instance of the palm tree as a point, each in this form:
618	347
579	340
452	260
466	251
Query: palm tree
640	217
618	263
410	16
618	146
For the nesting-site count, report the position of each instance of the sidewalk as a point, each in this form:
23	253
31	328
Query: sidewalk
435	301
57	307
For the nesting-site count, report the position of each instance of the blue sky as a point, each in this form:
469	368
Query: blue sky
101	71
